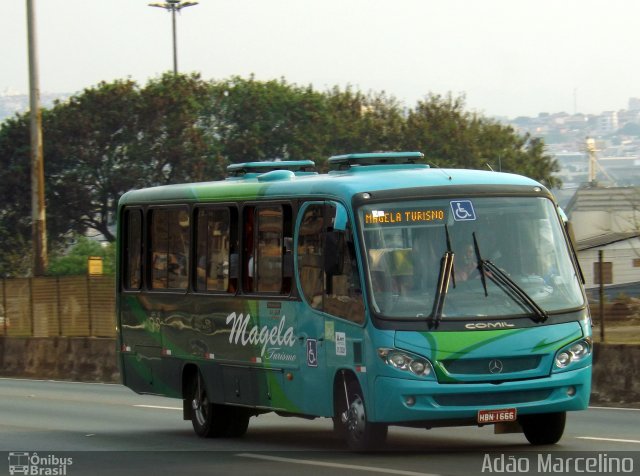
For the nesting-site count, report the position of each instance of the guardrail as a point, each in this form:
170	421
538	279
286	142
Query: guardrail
69	306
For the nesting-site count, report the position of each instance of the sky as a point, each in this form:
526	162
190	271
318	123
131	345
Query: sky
508	58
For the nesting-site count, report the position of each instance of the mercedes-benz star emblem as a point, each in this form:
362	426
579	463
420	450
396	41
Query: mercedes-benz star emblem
495	366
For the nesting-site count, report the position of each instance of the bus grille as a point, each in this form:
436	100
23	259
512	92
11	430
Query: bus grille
484	366
491	398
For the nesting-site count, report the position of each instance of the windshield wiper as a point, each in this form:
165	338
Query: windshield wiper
446	268
445	275
503	280
480	262
450	250
489	270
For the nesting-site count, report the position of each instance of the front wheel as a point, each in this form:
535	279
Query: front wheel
545	429
361	434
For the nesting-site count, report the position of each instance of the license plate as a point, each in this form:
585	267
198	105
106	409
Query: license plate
497	416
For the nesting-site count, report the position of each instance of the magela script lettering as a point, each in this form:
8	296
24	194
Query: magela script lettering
258	336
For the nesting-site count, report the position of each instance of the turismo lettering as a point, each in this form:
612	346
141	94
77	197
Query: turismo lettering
379	217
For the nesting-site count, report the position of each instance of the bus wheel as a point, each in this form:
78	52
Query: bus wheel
208	419
361	434
545	429
238	421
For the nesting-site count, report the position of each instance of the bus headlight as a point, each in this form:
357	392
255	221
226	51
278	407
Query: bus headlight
574	352
406	361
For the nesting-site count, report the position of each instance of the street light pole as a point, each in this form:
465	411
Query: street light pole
38	214
174	6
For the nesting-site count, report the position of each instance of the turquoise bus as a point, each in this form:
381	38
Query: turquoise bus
384	292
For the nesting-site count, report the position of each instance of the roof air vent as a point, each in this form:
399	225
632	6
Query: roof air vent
299	167
342	162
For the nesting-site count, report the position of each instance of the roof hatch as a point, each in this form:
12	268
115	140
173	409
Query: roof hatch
299	167
342	162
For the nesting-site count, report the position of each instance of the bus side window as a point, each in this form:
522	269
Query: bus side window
216	242
169	248
327	267
310	256
269	249
248	261
133	249
267	231
343	292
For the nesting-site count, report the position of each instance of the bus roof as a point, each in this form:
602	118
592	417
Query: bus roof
356	173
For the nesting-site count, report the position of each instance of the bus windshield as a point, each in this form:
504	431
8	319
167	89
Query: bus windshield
510	258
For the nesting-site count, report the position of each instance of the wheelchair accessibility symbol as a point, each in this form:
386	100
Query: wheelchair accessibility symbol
463	210
312	353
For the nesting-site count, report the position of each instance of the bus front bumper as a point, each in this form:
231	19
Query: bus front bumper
404	400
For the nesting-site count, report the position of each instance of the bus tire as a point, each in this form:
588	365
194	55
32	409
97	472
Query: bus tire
237	421
361	434
545	429
209	420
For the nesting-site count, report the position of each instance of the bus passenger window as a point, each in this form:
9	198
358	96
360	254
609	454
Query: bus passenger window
310	257
263	251
343	293
169	248
133	249
215	243
269	249
335	291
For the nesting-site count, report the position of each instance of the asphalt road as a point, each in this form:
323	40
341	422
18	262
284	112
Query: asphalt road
93	429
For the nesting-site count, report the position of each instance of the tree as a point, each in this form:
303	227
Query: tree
15	197
75	261
173	131
252	120
178	128
452	137
362	123
88	144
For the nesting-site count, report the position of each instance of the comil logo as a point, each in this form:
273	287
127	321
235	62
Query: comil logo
22	462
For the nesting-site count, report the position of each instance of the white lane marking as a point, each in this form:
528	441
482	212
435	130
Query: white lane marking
615	440
59	381
334	465
616	408
158	407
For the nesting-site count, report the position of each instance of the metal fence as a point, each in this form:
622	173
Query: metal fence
71	306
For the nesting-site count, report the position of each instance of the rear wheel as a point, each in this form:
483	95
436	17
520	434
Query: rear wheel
238	421
213	420
545	429
206	417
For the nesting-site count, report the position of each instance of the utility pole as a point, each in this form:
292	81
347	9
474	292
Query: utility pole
174	6
38	213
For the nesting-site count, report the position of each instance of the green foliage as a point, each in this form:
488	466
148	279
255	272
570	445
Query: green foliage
119	136
75	261
253	120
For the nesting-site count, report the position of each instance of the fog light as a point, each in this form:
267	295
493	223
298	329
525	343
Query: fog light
410	400
571	391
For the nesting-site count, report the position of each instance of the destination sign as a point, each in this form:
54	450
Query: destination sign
404	217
